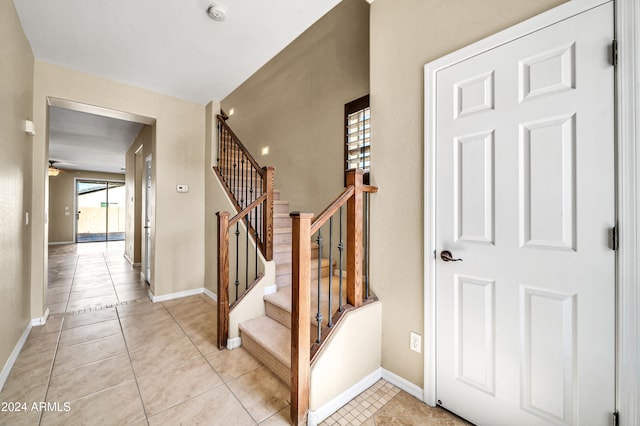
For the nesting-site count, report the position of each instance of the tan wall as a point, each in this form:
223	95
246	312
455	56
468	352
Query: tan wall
351	354
62	196
133	183
16	87
403	40
177	228
295	104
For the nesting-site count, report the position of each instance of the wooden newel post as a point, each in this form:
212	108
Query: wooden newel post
354	239
223	279
267	223
300	316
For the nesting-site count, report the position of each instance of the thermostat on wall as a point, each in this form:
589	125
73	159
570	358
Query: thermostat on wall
182	188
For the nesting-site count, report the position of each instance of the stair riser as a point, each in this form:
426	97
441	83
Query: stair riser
282	269
282	222
279	369
284	279
282	207
281	257
281	238
284	317
278	314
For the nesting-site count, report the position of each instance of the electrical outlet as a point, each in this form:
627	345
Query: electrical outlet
415	342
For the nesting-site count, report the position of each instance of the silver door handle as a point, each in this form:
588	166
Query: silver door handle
446	256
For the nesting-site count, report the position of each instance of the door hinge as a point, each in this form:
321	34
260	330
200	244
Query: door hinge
614	53
616	418
615	238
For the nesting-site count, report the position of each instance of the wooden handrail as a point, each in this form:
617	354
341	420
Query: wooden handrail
247	210
322	218
236	139
243	179
370	189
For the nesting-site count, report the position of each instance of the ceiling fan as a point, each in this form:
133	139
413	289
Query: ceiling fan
53	170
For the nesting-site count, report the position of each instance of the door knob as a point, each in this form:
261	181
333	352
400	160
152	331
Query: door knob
446	256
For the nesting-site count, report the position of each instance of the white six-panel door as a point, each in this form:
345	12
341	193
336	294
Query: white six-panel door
525	197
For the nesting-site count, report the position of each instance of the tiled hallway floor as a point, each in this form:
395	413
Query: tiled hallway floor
110	356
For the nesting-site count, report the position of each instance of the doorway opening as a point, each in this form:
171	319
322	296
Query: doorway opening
100	210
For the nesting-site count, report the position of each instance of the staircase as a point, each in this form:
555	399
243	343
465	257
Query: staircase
268	338
299	316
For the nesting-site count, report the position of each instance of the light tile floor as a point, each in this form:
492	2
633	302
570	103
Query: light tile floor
107	355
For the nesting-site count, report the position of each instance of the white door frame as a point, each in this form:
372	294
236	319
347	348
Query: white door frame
146	227
627	24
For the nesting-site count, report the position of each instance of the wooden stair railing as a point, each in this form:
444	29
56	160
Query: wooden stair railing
245	181
250	187
356	198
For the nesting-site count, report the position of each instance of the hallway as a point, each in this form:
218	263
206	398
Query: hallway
107	355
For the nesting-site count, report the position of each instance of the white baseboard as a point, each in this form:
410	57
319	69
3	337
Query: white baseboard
403	384
270	289
315	417
234	342
40	321
180	294
57	243
177	295
142	277
4	374
211	295
131	262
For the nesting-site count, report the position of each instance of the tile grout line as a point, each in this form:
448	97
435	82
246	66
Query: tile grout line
207	361
111	278
55	355
135	376
53	362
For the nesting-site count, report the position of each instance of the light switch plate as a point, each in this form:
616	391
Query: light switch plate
182	188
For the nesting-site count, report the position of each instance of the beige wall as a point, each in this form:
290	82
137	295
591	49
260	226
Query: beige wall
403	40
61	196
295	104
214	199
16	87
178	225
135	173
351	354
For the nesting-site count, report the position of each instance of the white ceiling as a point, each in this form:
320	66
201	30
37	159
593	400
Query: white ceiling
83	141
167	46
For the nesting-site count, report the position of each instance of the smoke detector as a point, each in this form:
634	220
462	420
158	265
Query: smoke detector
216	13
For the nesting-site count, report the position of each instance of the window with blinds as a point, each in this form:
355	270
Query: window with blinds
357	149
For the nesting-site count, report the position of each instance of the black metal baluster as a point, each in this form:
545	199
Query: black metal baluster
236	171
227	171
226	158
340	250
219	147
240	189
330	320
229	160
319	312
237	283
